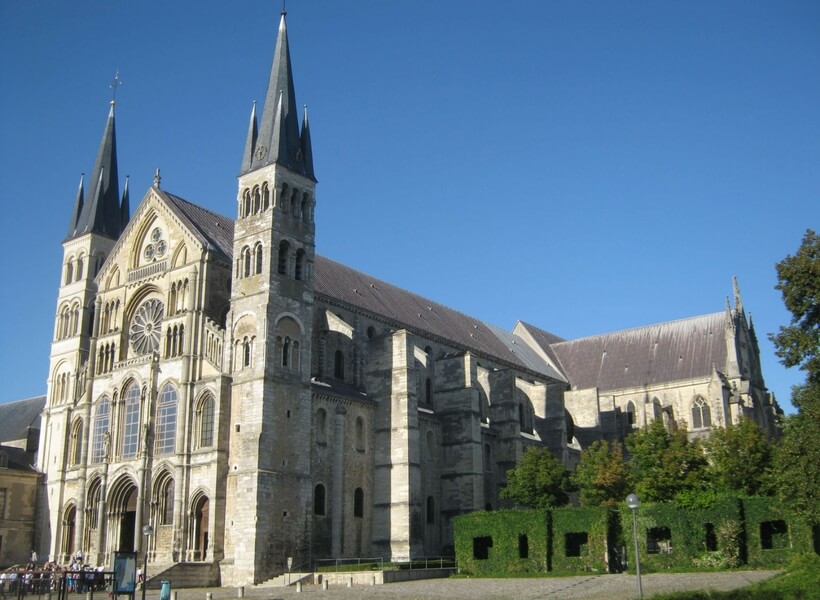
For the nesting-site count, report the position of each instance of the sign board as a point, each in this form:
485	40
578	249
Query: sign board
125	572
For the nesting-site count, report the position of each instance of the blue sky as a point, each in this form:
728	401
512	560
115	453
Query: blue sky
585	166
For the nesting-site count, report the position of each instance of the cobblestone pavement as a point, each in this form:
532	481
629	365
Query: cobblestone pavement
597	587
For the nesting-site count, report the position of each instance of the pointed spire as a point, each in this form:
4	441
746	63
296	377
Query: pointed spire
102	214
278	140
125	208
78	209
729	321
307	148
250	143
738	300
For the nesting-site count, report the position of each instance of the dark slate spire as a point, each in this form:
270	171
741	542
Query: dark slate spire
307	148
250	144
78	209
278	140
125	208
101	214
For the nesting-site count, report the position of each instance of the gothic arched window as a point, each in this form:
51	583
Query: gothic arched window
131	421
284	255
358	502
102	421
701	415
257	251
166	422
206	422
319	500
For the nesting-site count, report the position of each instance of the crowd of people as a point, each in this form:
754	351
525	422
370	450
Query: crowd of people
33	578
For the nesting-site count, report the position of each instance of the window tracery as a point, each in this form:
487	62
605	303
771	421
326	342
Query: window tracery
144	333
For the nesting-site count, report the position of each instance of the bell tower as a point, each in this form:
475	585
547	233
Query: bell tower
97	220
271	318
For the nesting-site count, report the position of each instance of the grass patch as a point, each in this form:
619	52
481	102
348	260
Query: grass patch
801	581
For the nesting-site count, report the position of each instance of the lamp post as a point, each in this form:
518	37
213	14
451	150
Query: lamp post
633	502
147	530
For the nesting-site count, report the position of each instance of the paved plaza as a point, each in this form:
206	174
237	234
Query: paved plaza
596	587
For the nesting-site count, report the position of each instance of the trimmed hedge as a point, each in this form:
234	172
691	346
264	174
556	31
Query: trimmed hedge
727	533
503	537
582	540
681	537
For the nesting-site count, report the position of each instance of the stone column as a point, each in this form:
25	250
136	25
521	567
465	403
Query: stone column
338	481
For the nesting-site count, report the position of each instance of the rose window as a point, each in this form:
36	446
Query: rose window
145	327
157	248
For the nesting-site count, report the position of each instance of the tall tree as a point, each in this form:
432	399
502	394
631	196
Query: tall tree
799	281
797	457
602	476
740	459
540	480
665	464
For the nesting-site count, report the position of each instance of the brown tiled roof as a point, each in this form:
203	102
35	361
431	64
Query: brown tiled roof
341	284
649	355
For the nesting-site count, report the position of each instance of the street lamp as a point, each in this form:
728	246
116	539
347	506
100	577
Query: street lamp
633	502
147	530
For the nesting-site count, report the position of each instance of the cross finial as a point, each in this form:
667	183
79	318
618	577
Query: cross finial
284	8
114	85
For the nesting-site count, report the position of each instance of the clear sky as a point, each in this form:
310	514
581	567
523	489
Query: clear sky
585	166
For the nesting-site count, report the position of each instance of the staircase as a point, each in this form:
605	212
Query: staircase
185	575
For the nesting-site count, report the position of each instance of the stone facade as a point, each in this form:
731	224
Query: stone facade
254	402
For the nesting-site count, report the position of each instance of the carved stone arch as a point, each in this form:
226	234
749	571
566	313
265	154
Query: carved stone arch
140	296
162	500
122	511
146	225
244	203
80	266
289	315
204	411
76	440
199	540
113	279
245	325
257	200
93	493
180	256
265	196
68	271
68	524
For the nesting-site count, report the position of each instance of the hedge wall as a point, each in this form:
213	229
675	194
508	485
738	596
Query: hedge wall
728	533
502	542
771	535
582	540
672	537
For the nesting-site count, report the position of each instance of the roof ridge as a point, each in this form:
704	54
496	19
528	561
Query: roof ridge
640	328
414	294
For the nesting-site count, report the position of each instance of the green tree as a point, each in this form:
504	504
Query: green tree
799	281
539	481
797	455
602	476
665	464
740	459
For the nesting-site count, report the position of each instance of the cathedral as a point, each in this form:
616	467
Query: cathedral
257	404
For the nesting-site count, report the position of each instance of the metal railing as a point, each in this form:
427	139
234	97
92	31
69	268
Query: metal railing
380	564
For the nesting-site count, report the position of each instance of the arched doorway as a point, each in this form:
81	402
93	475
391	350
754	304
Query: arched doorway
200	516
69	528
122	515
